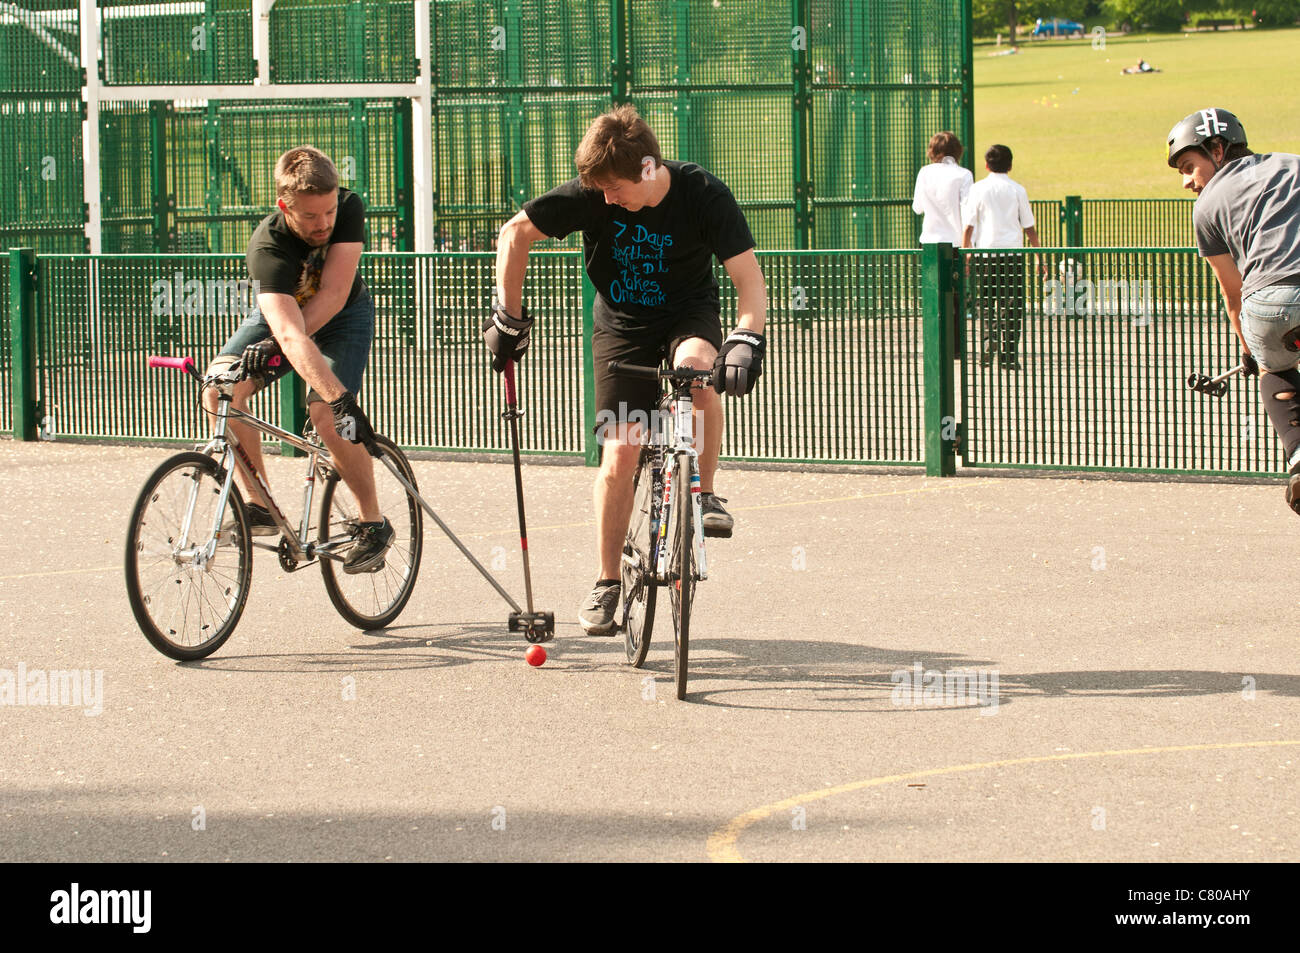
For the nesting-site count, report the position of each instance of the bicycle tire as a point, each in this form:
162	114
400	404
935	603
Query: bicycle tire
192	618
636	574
681	589
373	600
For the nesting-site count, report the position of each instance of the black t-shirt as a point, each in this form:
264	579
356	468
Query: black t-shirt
282	263
656	263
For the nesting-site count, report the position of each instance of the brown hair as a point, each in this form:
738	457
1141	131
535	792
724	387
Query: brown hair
614	146
304	169
944	144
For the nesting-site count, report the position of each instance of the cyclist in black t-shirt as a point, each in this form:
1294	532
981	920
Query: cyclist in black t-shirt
650	231
314	309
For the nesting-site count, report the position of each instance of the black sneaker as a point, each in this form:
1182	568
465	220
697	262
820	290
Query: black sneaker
1293	492
367	554
260	522
597	614
717	521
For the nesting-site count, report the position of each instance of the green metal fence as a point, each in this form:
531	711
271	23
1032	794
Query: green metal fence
844	379
1103	341
874	357
208	176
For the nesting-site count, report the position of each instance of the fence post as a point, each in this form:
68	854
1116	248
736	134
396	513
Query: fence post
937	324
22	338
1072	221
591	447
801	113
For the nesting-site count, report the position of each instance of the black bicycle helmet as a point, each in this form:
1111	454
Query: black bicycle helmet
1199	128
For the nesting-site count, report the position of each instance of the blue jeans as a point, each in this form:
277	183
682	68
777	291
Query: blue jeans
344	342
1265	317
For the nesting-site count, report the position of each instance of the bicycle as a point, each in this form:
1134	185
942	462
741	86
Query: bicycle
664	547
189	552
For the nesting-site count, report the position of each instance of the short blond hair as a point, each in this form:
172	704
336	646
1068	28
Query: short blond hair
304	170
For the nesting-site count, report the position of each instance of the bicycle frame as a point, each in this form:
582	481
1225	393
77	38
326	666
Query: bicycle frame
674	439
233	456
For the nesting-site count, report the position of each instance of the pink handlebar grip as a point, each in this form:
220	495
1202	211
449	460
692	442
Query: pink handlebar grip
180	363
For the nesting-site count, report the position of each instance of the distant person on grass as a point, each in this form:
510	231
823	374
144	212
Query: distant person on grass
313	310
1247	222
996	214
941	188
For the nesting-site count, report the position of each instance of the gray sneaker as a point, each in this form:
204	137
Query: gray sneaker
597	614
367	553
717	521
1293	492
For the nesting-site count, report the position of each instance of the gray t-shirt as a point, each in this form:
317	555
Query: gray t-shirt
1251	210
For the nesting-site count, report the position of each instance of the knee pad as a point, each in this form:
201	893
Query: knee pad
1281	394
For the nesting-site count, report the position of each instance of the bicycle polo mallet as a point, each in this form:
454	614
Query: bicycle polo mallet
1214	386
536	626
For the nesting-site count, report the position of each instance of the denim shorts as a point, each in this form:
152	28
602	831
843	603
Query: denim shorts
1265	317
344	342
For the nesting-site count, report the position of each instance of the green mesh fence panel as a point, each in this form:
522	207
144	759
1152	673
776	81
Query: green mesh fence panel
41	203
699	43
40	46
1138	222
101	317
216	180
343	42
428	383
1047	221
868	145
521	44
494	154
842	380
1105	340
179	41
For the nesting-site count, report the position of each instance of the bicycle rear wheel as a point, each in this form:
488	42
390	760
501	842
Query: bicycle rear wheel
187	594
372	600
681	589
636	570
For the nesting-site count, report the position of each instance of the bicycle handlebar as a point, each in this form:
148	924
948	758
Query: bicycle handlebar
679	374
185	364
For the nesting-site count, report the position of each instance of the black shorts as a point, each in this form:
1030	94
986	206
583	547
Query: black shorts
648	347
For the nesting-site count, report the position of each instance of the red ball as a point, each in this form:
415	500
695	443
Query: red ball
536	655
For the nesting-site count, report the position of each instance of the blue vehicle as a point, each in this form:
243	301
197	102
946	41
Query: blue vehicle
1055	26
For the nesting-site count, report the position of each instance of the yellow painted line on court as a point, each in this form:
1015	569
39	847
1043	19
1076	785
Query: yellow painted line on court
722	842
60	572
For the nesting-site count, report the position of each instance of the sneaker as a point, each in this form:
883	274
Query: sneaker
597	614
260	522
1293	492
367	554
717	521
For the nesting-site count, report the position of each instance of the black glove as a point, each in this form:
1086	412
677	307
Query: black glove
256	360
349	421
1250	365
506	337
739	363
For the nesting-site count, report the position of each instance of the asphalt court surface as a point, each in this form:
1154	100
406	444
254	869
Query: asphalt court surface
1121	684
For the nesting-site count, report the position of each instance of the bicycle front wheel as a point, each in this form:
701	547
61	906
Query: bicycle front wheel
682	570
372	600
636	570
186	588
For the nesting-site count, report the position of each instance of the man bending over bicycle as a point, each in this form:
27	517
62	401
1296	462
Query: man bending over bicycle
650	230
314	310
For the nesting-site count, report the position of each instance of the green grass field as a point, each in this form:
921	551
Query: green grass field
1077	127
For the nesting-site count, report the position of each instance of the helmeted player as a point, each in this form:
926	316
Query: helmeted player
1247	221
